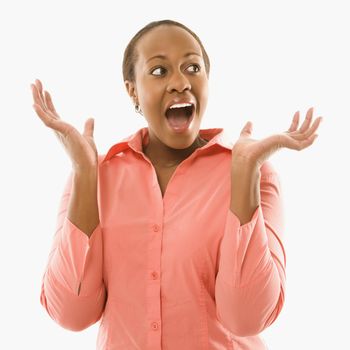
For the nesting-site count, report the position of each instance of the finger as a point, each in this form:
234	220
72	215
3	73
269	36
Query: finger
295	122
49	121
89	127
49	103
247	129
38	101
308	133
313	128
36	96
40	91
39	84
35	92
307	120
42	114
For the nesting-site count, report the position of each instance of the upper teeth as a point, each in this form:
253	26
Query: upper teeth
180	105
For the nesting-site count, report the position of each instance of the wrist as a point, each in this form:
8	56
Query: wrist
88	171
245	169
85	179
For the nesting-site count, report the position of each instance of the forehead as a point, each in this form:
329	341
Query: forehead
171	41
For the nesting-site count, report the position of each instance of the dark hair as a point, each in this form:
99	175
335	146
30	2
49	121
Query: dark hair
130	54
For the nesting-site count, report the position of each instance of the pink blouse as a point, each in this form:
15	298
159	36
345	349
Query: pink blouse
177	272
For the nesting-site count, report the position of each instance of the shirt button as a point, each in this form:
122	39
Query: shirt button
155	228
154	326
154	275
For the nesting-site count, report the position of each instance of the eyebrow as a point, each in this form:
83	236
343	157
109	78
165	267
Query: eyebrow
164	57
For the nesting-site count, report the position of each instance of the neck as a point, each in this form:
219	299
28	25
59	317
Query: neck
166	157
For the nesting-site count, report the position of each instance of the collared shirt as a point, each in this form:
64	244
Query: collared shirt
177	272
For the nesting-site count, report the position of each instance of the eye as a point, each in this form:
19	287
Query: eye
197	69
197	66
153	70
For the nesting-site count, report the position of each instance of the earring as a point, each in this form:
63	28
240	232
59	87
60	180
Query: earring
138	109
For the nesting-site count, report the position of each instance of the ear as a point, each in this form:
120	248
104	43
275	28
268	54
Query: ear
131	90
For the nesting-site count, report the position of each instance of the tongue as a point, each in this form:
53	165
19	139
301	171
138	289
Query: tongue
177	117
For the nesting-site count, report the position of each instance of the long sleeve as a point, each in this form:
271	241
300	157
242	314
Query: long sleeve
250	283
73	292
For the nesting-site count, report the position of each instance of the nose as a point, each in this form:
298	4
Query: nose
178	82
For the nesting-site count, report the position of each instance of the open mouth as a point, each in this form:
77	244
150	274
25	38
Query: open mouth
180	118
180	112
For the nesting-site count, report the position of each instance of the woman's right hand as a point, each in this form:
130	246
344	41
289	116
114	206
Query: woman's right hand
80	147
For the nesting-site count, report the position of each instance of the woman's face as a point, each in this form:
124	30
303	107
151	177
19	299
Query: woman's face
161	81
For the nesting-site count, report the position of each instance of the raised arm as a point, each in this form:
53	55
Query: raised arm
250	285
73	291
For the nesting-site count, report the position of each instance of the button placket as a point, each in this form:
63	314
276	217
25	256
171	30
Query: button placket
156	228
154	275
154	326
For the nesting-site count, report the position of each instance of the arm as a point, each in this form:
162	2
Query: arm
73	292
250	284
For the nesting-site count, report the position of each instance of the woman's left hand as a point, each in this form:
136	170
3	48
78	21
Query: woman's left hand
255	152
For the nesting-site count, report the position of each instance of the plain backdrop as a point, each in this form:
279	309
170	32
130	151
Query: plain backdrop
268	60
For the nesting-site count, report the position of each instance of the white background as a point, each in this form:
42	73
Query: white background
269	59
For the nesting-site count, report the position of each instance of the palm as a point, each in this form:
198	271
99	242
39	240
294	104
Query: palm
80	147
257	151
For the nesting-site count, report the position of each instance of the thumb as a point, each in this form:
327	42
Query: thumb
89	127
247	129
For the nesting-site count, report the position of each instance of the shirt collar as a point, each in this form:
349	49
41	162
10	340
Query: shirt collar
214	136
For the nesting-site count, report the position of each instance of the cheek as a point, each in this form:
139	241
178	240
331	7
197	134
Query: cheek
206	93
151	94
203	96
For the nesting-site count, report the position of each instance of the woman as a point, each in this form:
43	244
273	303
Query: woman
174	237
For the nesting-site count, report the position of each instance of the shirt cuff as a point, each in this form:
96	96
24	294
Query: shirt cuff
71	257
233	220
244	251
